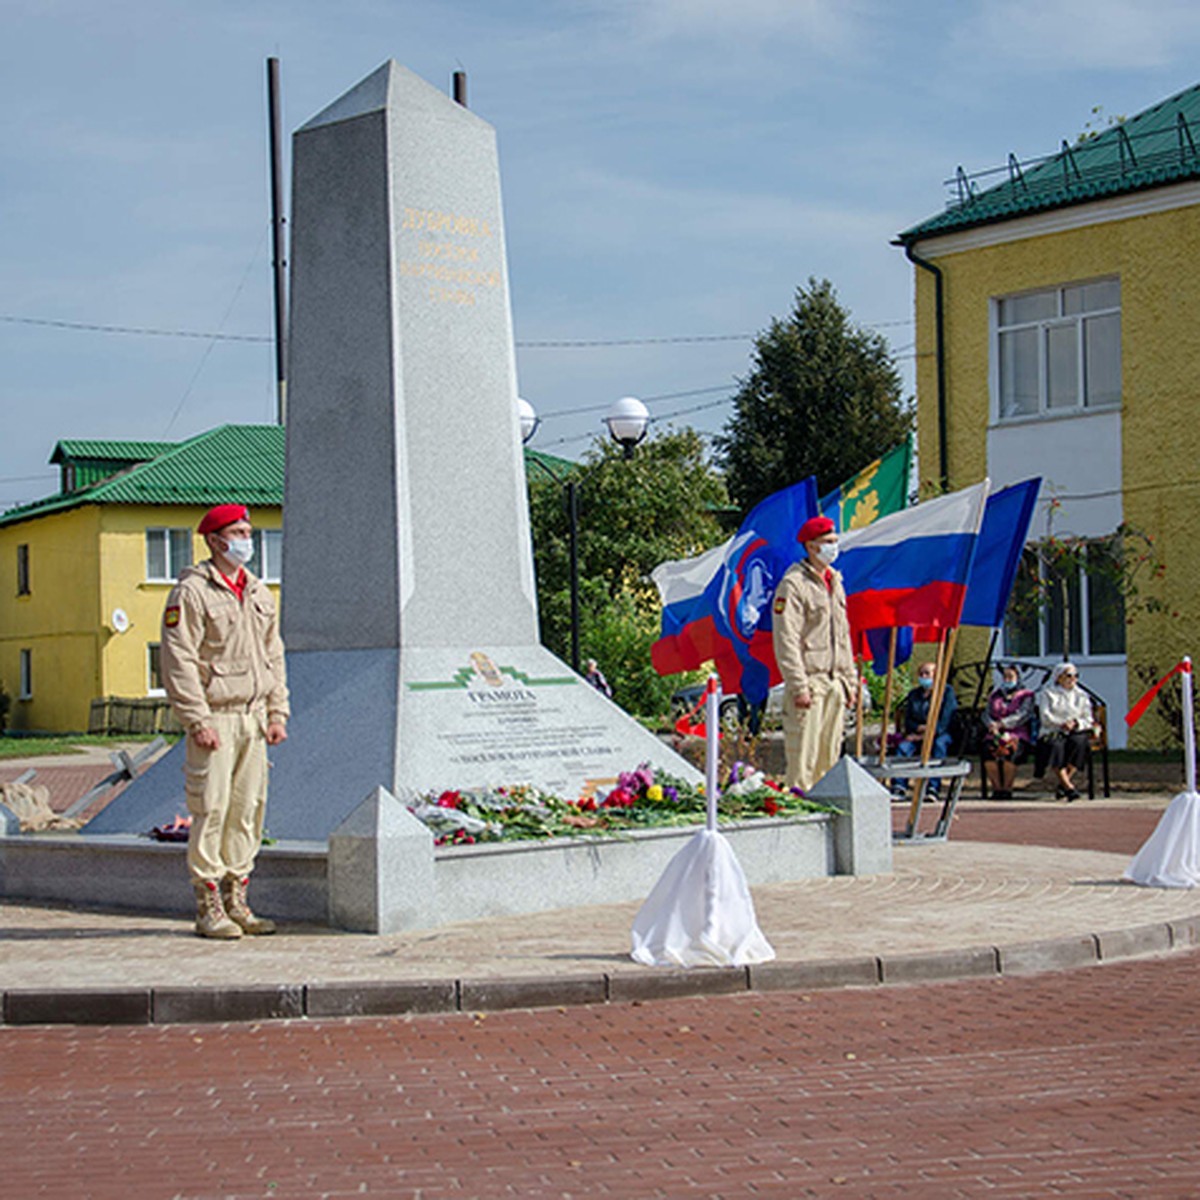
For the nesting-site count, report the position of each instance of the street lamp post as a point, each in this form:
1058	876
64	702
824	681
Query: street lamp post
627	421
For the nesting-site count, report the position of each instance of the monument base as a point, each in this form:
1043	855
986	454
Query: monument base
417	721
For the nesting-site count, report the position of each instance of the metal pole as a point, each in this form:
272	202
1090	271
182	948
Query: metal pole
279	259
573	520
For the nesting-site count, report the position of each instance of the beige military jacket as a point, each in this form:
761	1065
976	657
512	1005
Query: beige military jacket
810	629
219	654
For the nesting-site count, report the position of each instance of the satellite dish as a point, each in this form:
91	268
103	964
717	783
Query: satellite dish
119	620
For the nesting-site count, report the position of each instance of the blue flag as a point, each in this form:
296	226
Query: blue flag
998	553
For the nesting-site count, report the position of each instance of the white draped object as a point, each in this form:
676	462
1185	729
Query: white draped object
700	913
1171	854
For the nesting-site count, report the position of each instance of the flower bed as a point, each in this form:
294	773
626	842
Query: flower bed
640	800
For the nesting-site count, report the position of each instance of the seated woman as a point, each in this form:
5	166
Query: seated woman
913	717
1007	731
1066	727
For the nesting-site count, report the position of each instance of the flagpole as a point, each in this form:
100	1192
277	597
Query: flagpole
887	697
858	708
712	720
1189	730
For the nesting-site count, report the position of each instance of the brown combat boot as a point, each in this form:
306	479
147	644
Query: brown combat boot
211	919
233	892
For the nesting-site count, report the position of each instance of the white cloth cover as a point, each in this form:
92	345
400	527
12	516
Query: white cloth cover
1170	856
700	913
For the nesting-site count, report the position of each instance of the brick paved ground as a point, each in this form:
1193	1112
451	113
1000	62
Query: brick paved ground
1071	1084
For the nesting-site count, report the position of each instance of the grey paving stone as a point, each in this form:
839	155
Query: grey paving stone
546	992
1054	954
183	1005
77	1006
1126	943
379	999
827	973
938	964
655	983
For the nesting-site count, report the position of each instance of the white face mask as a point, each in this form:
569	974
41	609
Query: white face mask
827	552
239	550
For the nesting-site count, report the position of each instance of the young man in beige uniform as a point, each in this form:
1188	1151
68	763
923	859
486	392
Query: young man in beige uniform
813	650
223	669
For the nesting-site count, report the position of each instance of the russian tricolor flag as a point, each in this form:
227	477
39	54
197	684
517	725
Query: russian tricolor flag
718	606
912	568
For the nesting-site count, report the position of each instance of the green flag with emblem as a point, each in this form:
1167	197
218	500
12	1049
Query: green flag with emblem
878	489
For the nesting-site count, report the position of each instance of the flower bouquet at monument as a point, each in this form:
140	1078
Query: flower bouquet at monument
640	799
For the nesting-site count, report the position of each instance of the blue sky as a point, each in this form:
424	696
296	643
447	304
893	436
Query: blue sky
672	169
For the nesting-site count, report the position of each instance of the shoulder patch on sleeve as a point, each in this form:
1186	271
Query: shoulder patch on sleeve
780	603
171	616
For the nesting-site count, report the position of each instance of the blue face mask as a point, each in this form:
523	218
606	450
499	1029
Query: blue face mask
1008	685
925	681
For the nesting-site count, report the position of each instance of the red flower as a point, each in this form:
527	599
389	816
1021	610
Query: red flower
449	800
618	798
770	807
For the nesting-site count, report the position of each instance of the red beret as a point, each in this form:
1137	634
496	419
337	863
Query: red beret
224	514
814	528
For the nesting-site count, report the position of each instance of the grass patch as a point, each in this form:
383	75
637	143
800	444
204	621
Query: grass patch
38	747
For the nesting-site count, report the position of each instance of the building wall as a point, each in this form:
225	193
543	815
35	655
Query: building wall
84	564
56	621
1141	465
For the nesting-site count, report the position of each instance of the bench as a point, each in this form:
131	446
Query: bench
973	683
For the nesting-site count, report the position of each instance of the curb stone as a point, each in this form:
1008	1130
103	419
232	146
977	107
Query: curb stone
196	1005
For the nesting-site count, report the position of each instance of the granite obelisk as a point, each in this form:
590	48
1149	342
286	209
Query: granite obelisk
409	609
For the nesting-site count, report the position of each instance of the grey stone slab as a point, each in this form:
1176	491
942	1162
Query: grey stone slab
1053	954
1185	932
492	994
862	971
863	830
341	745
661	983
77	1006
1128	943
379	999
185	1005
381	869
940	964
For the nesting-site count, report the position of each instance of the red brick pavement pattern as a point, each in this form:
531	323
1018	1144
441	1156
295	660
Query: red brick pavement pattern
1077	1084
68	784
1079	826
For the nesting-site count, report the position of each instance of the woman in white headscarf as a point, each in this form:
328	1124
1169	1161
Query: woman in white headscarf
1066	726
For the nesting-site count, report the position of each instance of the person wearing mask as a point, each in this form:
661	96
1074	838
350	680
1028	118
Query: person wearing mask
1007	731
1066	726
223	670
914	717
811	635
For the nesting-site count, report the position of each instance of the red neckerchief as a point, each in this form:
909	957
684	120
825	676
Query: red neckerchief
236	586
828	577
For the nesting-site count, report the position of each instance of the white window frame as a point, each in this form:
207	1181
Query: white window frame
171	541
25	691
1042	326
1084	652
270	541
153	648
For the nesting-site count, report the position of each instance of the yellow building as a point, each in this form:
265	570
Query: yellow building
84	574
1056	336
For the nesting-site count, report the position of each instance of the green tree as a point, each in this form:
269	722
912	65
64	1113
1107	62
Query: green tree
823	398
633	515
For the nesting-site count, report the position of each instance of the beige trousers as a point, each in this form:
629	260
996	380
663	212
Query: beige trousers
227	797
812	737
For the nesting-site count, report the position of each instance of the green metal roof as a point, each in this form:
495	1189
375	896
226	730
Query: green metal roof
235	463
1156	147
97	451
548	466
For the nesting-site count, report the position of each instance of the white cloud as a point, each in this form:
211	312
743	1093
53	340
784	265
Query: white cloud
1073	35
